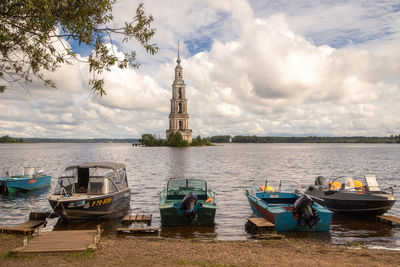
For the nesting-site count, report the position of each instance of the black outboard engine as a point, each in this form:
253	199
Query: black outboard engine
305	212
321	182
187	205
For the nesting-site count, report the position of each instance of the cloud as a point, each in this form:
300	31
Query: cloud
249	68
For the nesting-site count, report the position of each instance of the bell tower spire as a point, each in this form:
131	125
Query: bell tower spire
179	117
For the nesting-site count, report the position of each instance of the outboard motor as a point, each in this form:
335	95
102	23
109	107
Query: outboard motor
321	182
305	212
187	205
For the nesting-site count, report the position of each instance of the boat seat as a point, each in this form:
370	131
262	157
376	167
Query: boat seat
358	185
335	186
269	189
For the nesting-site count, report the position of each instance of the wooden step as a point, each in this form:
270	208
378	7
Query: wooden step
255	225
389	219
261	223
137	218
26	228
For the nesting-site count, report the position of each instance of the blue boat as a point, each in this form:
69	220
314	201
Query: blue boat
288	208
29	180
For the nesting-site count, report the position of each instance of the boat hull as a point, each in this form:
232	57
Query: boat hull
15	185
353	204
91	207
170	216
283	218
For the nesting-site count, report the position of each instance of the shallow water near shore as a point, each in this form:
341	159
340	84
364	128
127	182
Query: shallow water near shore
228	168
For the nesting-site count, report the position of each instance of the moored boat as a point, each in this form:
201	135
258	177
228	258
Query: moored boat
30	179
92	191
187	202
351	195
287	207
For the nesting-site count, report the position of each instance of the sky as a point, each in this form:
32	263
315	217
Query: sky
281	68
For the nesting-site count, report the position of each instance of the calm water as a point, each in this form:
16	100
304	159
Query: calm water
229	168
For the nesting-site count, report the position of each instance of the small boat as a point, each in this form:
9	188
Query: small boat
356	196
92	191
187	202
30	179
288	208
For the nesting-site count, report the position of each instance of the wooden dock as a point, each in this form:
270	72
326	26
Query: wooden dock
139	225
61	241
136	218
26	228
389	219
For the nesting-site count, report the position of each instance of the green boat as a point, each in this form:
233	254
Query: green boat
187	202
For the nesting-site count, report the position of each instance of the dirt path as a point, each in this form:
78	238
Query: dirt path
162	252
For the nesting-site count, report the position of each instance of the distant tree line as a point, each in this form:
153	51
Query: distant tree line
174	140
221	139
305	139
77	140
8	139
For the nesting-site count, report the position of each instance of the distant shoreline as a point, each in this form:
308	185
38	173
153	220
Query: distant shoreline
225	139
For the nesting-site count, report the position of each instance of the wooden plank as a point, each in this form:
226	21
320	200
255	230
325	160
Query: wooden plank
269	236
141	230
261	222
137	218
13	230
389	219
23	228
31	224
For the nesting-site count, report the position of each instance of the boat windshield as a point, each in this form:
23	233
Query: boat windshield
7	172
65	185
189	184
28	172
289	186
100	185
283	186
354	183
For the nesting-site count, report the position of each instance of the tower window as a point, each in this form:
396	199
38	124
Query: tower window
180	125
180	93
180	108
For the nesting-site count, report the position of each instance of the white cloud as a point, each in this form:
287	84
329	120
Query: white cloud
259	73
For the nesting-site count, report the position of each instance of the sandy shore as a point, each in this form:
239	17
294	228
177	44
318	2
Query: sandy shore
163	252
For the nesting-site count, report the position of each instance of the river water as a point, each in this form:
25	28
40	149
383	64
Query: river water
228	168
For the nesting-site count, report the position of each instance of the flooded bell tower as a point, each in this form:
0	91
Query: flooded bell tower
179	117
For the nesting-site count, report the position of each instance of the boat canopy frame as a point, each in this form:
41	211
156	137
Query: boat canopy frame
81	178
267	188
360	183
187	187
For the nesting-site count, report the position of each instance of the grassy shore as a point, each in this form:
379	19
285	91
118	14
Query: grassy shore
162	252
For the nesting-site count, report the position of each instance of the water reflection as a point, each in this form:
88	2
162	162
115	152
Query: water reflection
198	232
